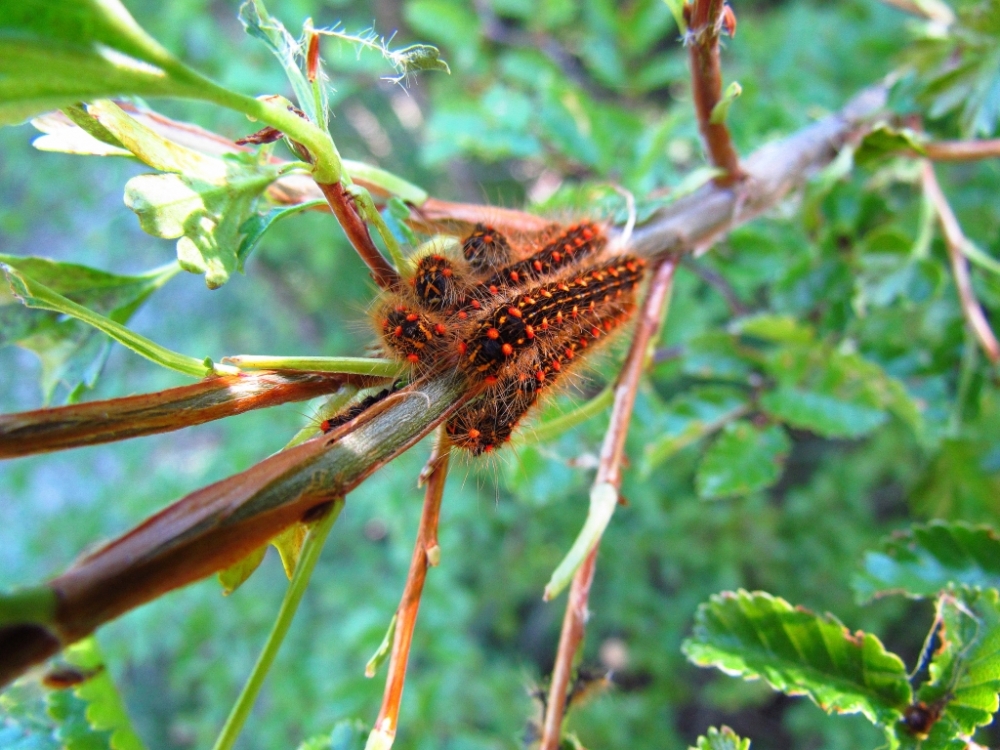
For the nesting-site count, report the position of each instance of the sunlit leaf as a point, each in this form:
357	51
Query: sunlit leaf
928	559
58	52
743	459
756	635
202	201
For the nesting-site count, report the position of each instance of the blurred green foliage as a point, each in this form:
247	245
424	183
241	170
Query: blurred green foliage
830	329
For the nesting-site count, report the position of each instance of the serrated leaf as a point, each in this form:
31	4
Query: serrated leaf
929	558
964	672
744	458
26	724
71	351
237	574
757	635
691	416
723	738
203	201
105	710
58	52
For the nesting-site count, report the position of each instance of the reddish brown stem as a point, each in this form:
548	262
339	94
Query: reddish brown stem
962	150
706	87
96	422
357	232
608	472
425	554
955	240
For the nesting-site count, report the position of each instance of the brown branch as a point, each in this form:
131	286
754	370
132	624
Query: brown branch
706	88
955	240
962	150
357	232
608	472
426	553
96	422
205	531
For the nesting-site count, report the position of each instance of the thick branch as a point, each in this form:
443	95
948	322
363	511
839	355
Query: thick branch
706	88
212	528
96	422
955	241
608	472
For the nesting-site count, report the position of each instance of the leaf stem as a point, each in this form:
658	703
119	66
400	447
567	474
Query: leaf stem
608	474
956	241
426	553
311	549
706	87
384	368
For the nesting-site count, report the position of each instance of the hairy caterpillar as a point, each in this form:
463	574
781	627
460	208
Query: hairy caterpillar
514	327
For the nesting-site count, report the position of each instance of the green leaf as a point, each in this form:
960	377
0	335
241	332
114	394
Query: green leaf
780	329
721	110
254	228
964	672
928	559
71	352
204	201
24	721
691	416
825	415
756	635
58	52
885	141
237	574
36	295
105	710
289	545
721	739
68	136
835	394
743	459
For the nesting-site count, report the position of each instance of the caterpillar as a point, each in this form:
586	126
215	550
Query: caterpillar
513	327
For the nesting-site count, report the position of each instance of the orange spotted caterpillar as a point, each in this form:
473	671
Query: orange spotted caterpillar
513	320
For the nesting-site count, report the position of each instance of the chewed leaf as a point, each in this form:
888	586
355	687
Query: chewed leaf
721	739
744	458
965	673
929	559
756	635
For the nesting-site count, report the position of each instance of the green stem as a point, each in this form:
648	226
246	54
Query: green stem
555	427
380	368
311	549
366	207
35	605
970	358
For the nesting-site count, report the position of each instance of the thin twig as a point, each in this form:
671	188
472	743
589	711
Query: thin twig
426	553
608	472
955	241
357	232
962	150
706	88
